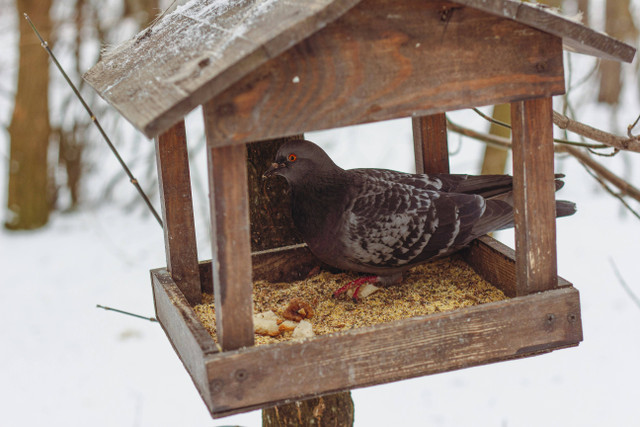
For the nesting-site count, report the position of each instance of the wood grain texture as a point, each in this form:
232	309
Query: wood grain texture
383	60
189	338
200	49
430	143
172	159
230	240
488	333
534	195
240	380
575	36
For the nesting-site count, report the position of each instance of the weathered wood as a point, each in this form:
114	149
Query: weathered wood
366	67
387	352
487	333
534	195
172	159
430	143
189	338
231	248
200	49
196	52
575	36
494	262
333	410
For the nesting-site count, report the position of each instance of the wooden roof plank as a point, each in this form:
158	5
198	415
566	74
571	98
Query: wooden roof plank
575	36
198	50
205	46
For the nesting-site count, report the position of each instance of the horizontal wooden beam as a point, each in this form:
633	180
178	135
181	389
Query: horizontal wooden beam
430	57
249	378
394	351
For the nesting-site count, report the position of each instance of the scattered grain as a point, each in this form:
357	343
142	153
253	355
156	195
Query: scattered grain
441	285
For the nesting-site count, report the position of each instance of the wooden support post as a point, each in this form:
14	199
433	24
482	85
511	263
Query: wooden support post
534	195
230	240
172	160
430	143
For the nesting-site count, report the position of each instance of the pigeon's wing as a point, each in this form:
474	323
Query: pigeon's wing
393	225
422	181
483	185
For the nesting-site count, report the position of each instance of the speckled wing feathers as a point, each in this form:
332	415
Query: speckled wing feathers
392	224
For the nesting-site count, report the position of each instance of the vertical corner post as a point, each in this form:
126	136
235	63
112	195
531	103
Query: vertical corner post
534	195
430	143
230	239
172	160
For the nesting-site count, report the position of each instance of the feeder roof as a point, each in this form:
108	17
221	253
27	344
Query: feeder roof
205	46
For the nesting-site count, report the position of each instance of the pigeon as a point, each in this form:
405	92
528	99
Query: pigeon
382	222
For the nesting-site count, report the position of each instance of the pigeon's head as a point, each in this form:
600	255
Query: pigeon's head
299	160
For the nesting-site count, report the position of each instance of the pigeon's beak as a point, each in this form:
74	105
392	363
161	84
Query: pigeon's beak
273	170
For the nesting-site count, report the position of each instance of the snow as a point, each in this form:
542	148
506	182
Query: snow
68	363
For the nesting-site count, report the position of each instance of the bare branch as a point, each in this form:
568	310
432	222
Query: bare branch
621	143
625	187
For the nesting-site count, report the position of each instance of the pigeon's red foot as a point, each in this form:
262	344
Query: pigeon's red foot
355	284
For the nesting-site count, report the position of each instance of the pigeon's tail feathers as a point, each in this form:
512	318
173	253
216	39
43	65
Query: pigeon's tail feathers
498	214
565	208
483	185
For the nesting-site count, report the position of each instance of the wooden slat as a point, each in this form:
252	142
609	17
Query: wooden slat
189	338
278	266
192	54
172	159
576	37
384	60
534	195
230	240
430	143
393	351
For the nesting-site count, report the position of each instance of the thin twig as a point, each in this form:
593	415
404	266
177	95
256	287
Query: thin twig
622	143
624	284
625	187
609	190
558	140
150	319
132	179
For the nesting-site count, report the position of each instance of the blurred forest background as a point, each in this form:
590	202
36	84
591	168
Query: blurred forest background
56	157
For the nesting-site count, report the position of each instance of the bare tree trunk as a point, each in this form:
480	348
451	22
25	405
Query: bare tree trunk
334	410
272	227
618	24
495	159
29	198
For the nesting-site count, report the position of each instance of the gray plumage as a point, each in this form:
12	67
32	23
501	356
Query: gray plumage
383	222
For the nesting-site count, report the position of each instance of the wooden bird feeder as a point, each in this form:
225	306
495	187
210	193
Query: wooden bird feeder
269	68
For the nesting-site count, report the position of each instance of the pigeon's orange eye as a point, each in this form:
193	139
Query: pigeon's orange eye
292	157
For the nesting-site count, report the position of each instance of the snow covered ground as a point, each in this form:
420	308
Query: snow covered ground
67	363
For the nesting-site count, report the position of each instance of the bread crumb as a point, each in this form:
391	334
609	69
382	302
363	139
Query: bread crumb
303	330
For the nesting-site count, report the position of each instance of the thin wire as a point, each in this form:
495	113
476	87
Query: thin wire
150	319
132	179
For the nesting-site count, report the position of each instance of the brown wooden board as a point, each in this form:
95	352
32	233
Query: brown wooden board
534	195
384	60
201	48
172	159
575	36
430	143
189	338
230	241
253	377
